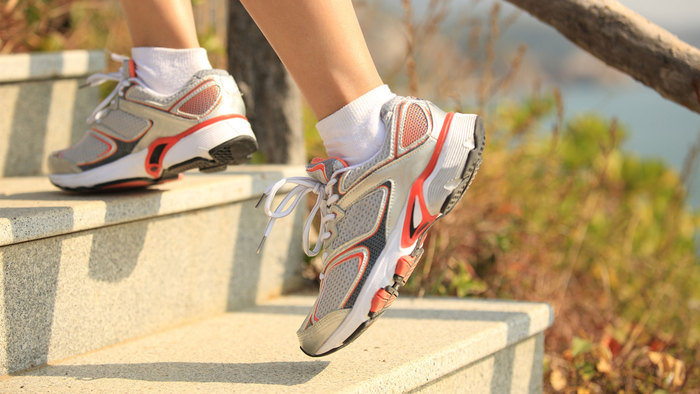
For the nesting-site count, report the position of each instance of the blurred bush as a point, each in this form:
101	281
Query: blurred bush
604	236
54	25
51	25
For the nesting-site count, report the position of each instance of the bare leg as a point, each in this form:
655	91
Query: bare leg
161	23
322	46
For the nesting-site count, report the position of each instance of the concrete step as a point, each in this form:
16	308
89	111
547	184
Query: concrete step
80	272
41	107
424	345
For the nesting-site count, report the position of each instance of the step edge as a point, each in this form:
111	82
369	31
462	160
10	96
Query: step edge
241	184
425	369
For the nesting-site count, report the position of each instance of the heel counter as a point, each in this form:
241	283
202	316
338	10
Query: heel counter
233	98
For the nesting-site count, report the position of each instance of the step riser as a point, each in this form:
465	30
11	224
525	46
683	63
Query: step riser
515	369
70	294
42	108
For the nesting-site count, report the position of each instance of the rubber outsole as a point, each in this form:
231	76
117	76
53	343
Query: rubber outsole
234	151
471	167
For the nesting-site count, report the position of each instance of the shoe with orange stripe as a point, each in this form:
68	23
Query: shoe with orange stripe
137	138
374	215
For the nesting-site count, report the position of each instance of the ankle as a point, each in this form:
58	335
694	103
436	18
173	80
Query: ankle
166	70
356	132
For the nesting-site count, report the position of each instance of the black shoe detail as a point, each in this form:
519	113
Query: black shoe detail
155	156
234	151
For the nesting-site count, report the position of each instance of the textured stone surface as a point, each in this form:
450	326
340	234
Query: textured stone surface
515	369
182	252
416	343
32	208
39	113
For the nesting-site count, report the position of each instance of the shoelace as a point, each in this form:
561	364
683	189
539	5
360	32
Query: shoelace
325	198
99	78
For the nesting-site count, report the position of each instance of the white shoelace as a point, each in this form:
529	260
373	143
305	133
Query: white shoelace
99	78
325	198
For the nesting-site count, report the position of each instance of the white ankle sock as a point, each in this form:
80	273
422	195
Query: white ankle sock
355	132
166	70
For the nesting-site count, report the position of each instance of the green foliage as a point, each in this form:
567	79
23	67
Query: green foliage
580	346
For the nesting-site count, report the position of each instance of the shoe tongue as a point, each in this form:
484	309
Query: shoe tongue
322	170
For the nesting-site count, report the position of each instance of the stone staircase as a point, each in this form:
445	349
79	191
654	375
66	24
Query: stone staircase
161	289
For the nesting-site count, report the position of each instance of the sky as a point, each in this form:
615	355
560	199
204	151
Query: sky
677	16
670	14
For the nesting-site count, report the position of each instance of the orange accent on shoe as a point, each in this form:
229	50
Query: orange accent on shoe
154	169
127	185
319	166
408	239
382	299
405	266
132	68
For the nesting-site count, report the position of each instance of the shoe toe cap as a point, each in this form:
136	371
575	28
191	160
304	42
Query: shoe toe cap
60	165
313	338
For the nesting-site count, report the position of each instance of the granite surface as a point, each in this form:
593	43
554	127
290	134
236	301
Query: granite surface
427	345
69	294
42	108
31	208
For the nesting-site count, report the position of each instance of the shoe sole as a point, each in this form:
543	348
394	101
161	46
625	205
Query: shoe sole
232	151
405	265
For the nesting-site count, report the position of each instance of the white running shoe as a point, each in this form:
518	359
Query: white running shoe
137	137
374	216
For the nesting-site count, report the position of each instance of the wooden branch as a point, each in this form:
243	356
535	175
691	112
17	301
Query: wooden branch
627	41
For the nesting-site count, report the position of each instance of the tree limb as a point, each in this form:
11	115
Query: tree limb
627	41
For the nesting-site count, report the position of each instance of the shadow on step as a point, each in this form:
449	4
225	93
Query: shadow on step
31	269
278	373
40	117
518	325
75	264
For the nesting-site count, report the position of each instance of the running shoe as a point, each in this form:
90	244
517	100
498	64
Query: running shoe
374	216
137	137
